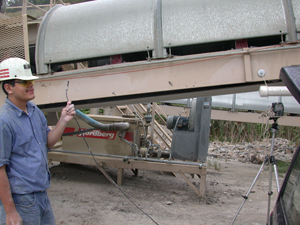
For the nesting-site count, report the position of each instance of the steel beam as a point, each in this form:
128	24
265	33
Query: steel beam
253	118
247	117
290	20
177	78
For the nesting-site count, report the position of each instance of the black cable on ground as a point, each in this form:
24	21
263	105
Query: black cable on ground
101	168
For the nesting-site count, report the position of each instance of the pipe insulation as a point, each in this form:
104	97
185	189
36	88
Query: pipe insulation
265	91
104	127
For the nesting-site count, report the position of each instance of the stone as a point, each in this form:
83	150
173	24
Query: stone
252	157
252	152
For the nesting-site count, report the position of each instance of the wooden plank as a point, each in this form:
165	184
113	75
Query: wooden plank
202	185
134	165
120	176
189	183
86	159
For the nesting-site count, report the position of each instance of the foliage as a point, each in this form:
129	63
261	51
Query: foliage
159	119
282	167
87	111
236	132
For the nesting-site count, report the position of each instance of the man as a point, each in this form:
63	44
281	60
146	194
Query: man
24	141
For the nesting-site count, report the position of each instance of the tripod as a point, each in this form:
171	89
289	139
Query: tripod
271	160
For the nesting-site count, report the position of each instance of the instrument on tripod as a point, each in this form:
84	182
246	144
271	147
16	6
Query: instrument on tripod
278	110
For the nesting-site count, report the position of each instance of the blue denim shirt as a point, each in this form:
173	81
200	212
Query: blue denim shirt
23	140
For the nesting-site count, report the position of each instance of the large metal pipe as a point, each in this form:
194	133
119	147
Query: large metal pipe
101	126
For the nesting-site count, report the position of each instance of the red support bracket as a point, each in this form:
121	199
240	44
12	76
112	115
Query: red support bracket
242	43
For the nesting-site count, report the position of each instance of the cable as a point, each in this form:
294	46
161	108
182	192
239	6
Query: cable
67	88
78	132
101	168
133	146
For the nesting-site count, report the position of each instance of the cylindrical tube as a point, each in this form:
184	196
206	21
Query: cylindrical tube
265	91
101	126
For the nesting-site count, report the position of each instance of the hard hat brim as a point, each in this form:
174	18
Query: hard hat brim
27	78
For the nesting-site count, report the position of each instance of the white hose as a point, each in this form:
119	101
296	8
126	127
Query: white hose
265	91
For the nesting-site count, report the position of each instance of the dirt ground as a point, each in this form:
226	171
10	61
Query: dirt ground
81	195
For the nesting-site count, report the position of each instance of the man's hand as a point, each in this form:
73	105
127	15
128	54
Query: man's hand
55	134
68	112
13	218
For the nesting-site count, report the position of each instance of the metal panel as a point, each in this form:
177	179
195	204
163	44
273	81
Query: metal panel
94	29
296	7
12	38
110	27
190	21
193	144
185	145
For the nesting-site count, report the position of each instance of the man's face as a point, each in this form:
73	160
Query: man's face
22	91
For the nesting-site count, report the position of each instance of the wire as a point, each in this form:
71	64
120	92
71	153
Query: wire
101	168
78	132
133	146
67	88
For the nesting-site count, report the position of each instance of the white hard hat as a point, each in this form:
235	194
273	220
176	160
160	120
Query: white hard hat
15	68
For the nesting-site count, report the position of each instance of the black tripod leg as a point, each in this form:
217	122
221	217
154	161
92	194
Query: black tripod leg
252	185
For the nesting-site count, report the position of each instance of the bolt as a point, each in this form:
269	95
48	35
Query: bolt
261	73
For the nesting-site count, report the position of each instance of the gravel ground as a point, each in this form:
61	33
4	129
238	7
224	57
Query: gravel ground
81	195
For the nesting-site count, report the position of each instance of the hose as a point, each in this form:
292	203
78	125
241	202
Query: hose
101	126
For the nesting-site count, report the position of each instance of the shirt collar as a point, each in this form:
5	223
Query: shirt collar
30	107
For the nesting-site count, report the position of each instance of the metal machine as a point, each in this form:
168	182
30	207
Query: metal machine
191	135
112	142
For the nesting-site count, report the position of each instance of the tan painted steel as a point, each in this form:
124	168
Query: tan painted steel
247	117
180	77
253	118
